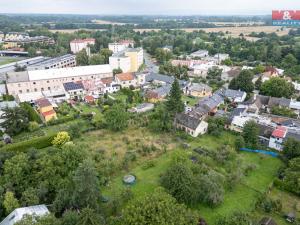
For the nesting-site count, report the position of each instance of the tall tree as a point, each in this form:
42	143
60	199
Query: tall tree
82	58
86	186
243	82
250	134
97	59
10	202
157	208
179	181
291	148
88	216
277	87
116	117
174	102
15	120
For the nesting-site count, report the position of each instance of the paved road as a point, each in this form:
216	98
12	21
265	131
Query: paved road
150	65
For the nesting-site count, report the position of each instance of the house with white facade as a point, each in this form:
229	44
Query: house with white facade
191	125
277	138
79	44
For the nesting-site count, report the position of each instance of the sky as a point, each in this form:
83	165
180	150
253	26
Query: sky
150	7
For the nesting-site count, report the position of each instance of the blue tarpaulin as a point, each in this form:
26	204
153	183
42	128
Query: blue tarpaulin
273	154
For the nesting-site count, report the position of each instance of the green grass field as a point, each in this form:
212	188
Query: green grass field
243	196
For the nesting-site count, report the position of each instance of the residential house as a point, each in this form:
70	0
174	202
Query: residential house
18	214
110	86
221	57
191	125
199	54
126	80
158	94
45	109
89	99
238	122
74	90
277	138
235	96
209	105
269	73
231	74
198	90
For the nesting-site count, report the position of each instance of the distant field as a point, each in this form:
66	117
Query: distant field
71	31
234	31
105	22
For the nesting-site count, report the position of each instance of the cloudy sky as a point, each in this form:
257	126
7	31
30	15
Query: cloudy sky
183	7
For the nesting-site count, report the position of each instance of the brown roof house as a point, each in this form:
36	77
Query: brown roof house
191	125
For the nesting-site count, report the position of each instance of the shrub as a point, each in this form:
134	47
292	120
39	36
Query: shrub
149	164
61	138
38	143
33	126
32	114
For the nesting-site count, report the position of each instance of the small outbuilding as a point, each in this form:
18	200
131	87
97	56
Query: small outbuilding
267	221
291	217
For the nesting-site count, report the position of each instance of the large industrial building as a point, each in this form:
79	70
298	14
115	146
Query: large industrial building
53	79
64	61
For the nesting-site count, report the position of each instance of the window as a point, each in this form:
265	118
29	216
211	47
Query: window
34	83
27	90
20	91
42	89
49	88
47	81
19	85
35	89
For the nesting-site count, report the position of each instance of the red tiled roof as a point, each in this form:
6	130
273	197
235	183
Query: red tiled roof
279	132
125	76
83	40
108	80
43	102
89	98
48	113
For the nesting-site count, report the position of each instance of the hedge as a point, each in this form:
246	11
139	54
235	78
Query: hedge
38	143
32	114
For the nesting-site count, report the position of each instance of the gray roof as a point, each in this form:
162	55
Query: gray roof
211	102
284	102
18	214
162	91
187	121
293	135
200	87
163	78
14	77
229	93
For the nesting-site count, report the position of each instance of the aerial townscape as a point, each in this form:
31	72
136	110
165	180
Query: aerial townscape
149	117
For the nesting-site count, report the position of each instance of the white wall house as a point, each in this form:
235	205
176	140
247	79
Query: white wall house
277	138
116	47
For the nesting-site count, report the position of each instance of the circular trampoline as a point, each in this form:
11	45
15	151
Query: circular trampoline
129	179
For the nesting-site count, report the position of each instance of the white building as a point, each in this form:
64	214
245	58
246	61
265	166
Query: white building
17	215
120	61
239	122
79	44
53	79
277	138
127	80
64	61
128	60
199	54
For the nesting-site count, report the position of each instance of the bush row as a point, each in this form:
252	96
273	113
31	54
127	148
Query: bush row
38	143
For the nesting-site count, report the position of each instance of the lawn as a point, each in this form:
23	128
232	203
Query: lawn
191	101
86	108
6	60
243	196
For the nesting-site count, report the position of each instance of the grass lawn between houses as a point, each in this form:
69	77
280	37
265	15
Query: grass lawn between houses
242	197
